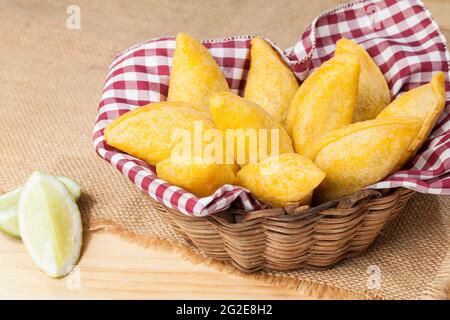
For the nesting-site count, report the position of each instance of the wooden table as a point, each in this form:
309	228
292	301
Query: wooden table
112	268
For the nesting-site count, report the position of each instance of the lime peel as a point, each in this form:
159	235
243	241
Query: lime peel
9	206
50	224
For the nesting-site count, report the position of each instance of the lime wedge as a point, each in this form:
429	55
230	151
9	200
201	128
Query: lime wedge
9	206
73	187
50	224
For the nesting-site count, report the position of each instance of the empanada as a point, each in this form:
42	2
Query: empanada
270	82
198	177
425	102
281	179
325	101
373	94
146	132
195	75
241	120
363	153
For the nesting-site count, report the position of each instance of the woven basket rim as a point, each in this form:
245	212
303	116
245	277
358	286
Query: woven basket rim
293	212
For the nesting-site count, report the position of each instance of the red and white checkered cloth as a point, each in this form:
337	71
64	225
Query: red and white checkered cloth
400	36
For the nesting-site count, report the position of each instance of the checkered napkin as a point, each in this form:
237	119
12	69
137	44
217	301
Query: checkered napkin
400	36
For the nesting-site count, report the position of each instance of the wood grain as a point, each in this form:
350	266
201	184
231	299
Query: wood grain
111	268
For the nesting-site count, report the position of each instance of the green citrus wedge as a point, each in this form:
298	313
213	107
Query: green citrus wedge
9	206
73	187
50	224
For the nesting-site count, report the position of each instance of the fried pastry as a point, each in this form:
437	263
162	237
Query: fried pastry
425	102
195	75
197	176
373	93
324	102
242	119
363	153
281	179
146	132
270	82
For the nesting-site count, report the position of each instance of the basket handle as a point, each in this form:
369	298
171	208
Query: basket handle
349	201
295	210
266	213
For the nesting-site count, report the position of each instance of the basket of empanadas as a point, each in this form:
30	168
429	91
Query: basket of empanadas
281	160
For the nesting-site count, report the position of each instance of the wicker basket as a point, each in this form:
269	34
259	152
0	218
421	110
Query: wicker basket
294	237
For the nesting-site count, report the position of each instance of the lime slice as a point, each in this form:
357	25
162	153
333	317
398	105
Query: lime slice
9	206
73	187
50	224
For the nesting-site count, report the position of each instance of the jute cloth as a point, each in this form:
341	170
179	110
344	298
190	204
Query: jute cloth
51	78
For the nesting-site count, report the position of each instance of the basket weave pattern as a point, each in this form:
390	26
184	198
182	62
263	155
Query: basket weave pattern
293	237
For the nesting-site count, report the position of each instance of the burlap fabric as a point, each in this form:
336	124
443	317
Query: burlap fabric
51	78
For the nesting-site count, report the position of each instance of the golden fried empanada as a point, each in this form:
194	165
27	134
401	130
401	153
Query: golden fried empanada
425	102
374	92
195	75
146	132
325	101
246	119
198	177
363	153
281	179
270	82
